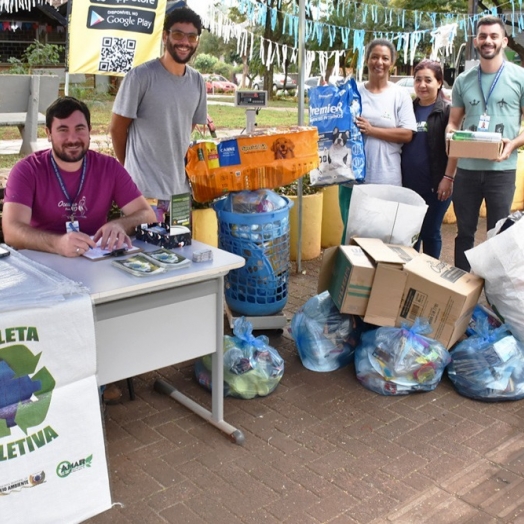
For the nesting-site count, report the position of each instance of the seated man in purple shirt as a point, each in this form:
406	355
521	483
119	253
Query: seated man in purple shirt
58	200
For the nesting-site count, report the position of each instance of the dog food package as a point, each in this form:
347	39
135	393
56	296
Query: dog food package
333	110
265	159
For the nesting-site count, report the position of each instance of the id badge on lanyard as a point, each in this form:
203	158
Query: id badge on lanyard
485	118
72	226
484	122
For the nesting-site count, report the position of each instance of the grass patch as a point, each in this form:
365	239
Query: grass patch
230	117
8	161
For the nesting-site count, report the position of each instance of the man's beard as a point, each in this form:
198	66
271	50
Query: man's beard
172	50
63	155
490	53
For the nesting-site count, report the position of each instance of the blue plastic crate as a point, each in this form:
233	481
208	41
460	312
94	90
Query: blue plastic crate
262	239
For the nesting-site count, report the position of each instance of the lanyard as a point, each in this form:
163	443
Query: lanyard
63	187
493	84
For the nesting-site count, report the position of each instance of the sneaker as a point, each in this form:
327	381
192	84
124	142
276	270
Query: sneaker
112	394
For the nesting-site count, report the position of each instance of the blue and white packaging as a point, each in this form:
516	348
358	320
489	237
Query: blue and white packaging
333	110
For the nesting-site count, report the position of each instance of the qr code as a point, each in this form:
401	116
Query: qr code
116	55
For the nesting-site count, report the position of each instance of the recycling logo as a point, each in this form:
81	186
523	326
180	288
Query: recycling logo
20	384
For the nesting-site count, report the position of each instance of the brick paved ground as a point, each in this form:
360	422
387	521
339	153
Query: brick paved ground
320	449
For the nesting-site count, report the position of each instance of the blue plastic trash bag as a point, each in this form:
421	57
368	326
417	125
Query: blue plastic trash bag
259	201
251	366
398	361
325	338
480	312
489	365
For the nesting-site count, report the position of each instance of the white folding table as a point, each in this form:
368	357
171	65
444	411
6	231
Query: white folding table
147	323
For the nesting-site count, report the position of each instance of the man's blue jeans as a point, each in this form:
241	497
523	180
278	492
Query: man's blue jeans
470	188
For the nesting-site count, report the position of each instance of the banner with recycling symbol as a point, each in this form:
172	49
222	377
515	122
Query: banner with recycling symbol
53	465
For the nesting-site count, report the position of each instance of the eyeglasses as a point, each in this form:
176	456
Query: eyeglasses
177	35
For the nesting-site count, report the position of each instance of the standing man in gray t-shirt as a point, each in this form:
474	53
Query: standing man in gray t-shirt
156	108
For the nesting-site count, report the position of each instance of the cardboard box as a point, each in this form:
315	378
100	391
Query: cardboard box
347	273
366	278
389	280
443	294
474	149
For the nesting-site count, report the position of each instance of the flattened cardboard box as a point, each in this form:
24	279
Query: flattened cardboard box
441	293
347	273
474	149
389	280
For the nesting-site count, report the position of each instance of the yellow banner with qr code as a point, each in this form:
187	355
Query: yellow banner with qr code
109	37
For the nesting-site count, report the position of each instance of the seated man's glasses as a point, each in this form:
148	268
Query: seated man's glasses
177	35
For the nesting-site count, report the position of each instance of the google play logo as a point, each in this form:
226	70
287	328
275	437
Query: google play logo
95	19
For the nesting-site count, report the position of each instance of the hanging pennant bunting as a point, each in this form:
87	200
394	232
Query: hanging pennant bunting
322	34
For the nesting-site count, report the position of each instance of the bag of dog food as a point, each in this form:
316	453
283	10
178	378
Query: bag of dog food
333	110
265	159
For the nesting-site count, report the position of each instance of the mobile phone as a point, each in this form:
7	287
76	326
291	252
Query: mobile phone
4	252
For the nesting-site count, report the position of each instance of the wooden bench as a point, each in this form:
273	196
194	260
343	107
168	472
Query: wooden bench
23	102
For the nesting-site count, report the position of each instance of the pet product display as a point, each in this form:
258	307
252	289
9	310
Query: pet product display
489	365
398	361
251	366
333	109
264	159
325	338
262	238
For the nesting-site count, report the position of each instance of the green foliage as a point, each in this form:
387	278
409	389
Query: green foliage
16	67
292	189
206	63
80	92
211	44
36	55
223	69
435	6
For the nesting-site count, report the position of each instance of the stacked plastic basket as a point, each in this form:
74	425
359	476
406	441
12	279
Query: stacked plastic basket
260	288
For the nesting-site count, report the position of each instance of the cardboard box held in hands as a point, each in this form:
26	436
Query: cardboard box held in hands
488	149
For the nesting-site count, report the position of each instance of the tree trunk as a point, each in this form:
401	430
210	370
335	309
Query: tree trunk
518	48
245	71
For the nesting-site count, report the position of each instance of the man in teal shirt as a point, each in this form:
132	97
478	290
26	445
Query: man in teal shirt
488	97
